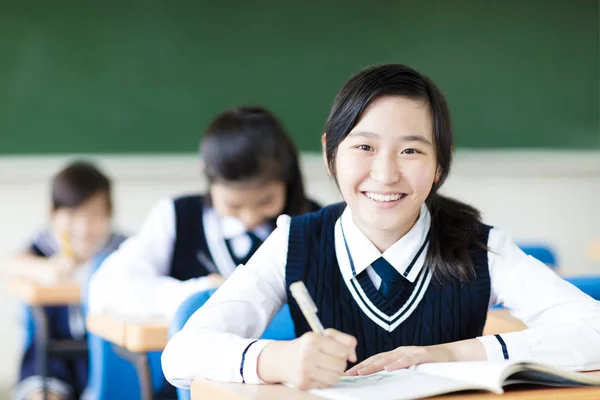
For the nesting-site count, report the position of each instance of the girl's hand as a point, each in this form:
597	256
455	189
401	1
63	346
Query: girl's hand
311	361
402	357
60	267
216	280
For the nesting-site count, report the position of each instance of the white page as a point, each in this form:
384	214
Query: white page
398	385
485	373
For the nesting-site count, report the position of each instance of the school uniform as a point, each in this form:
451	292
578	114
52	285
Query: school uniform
384	300
181	242
66	376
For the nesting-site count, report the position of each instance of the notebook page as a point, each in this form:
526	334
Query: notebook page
398	385
485	373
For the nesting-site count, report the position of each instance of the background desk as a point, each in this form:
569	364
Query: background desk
500	321
133	338
38	296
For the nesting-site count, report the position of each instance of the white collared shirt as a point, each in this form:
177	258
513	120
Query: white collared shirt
234	230
134	280
400	255
564	322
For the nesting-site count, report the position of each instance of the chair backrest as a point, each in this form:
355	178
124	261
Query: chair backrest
588	284
187	308
280	328
110	376
542	252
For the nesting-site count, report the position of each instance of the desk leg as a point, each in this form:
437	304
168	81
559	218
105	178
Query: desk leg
142	367
41	345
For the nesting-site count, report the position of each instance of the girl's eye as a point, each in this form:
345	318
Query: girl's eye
409	151
364	147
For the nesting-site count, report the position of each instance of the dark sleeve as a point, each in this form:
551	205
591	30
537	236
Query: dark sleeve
35	250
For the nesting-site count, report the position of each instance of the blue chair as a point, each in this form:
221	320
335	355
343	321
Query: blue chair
588	284
542	252
29	325
111	376
280	328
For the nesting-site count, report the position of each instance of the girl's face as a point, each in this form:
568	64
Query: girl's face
386	166
86	227
252	203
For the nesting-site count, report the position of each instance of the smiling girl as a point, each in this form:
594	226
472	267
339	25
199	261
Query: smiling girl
400	274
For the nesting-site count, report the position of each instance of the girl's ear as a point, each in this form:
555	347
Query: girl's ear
324	153
438	175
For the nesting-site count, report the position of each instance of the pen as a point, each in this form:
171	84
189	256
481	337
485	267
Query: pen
66	244
307	306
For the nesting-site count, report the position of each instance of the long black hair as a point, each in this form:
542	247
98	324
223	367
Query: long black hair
250	143
454	224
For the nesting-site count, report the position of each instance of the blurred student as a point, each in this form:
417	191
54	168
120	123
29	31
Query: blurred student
79	231
192	243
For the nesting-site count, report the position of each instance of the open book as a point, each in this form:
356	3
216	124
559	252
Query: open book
438	378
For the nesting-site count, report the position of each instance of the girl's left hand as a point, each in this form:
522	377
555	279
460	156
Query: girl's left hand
402	357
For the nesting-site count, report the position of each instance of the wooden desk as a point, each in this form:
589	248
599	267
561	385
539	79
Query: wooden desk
137	335
36	294
500	321
132	339
204	389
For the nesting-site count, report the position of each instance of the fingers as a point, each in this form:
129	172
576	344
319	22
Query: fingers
340	345
377	364
216	279
400	363
413	356
354	370
324	378
330	363
315	375
322	359
390	361
341	337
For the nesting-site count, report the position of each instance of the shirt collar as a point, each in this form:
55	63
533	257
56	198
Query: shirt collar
232	228
400	255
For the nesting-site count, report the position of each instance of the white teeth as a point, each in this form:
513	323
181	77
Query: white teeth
383	197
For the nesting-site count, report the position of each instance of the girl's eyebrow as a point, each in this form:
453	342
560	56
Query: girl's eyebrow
363	134
416	138
406	138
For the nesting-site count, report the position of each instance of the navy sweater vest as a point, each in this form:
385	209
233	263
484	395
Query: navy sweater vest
190	248
191	251
447	312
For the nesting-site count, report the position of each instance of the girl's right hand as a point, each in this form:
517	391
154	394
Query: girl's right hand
216	280
311	361
60	268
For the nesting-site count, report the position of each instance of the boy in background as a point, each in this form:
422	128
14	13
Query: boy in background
79	230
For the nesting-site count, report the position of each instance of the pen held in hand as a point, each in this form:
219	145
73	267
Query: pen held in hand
307	306
65	245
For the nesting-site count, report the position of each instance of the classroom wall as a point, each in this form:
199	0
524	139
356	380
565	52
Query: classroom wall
536	196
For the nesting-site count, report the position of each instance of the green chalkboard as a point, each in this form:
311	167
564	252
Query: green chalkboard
146	76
